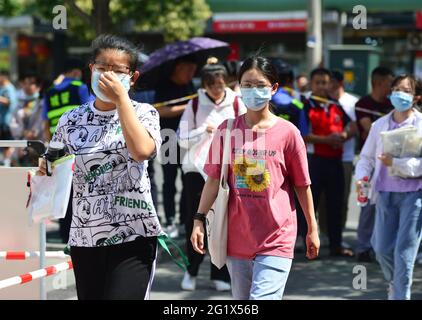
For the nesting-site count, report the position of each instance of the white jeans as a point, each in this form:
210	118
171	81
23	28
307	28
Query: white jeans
263	278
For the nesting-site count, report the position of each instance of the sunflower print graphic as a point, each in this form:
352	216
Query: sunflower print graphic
240	166
251	174
258	182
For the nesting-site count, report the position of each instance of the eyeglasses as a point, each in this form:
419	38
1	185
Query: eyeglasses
119	69
259	85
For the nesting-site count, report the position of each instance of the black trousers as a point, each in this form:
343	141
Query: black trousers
122	271
194	183
169	192
65	223
327	175
151	175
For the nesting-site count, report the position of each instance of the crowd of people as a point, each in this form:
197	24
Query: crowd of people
310	140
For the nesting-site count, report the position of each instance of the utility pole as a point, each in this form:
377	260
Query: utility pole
314	35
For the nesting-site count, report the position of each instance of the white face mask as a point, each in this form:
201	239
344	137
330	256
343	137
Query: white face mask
256	98
124	79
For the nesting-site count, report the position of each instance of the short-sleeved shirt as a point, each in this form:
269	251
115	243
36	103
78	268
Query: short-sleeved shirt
264	169
6	112
326	119
112	200
373	107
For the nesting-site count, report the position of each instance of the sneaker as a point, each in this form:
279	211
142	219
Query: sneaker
188	282
221	285
390	292
172	231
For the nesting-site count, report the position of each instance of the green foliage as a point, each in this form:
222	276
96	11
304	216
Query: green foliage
176	19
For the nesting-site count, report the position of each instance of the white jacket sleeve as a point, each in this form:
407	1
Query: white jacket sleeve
407	167
366	163
16	125
187	135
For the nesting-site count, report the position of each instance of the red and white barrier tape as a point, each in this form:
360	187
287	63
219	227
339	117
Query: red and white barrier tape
23	255
27	277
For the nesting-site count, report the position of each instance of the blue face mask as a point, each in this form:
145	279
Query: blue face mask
124	79
401	101
256	99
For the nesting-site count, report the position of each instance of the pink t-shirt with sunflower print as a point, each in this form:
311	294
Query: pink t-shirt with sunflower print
264	168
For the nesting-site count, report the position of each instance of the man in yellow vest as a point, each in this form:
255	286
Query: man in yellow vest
65	95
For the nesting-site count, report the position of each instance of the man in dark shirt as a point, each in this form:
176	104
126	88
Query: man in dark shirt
178	85
376	104
328	132
368	110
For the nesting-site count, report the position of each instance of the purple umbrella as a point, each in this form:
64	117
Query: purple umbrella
161	62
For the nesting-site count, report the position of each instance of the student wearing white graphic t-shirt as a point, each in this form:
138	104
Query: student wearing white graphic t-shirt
113	235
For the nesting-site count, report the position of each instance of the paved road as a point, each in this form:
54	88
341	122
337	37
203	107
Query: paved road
326	278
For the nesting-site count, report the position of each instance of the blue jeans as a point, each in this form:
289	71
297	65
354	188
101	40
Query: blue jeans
263	278
396	238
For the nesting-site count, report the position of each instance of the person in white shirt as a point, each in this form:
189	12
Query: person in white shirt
203	114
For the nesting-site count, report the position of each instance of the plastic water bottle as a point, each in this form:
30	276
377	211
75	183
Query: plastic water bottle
363	192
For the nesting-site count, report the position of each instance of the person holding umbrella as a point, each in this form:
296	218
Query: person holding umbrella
170	71
178	85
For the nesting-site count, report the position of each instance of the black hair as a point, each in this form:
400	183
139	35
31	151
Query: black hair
210	72
381	72
337	75
284	71
72	64
4	72
263	65
108	41
31	74
320	72
232	67
400	78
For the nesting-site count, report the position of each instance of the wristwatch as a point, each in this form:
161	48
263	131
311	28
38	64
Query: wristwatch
199	216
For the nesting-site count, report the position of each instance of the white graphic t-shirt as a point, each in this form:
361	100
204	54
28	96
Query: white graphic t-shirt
112	200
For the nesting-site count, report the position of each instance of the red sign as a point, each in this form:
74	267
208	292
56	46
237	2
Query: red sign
284	25
419	20
235	52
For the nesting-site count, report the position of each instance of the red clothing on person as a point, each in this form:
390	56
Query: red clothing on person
264	169
326	119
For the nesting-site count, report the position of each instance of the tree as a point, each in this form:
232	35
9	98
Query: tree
176	19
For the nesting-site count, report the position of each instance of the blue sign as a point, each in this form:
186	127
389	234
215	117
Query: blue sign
4	41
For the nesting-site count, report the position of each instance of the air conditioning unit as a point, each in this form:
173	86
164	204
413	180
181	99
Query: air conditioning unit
414	41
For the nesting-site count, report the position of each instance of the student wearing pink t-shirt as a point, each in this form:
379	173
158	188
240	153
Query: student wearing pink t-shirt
267	165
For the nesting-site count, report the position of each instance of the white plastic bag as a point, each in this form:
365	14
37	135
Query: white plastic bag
49	195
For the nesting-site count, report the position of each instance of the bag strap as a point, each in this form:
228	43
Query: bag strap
226	153
181	262
236	106
195	102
